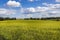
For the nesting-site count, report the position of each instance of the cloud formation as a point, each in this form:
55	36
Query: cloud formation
57	0
33	0
13	3
52	5
47	10
7	11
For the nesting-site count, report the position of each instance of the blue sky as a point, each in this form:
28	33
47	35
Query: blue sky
29	8
27	3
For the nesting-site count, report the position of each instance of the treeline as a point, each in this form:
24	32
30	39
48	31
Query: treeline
6	18
31	18
47	18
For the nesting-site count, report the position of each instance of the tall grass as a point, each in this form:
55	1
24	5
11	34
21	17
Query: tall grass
29	30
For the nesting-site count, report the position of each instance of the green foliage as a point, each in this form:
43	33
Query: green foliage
29	30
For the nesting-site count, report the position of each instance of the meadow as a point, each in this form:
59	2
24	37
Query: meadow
29	30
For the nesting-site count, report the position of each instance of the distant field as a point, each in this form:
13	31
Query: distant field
29	30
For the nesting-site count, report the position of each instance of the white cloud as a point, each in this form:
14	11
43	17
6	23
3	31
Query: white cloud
2	11
47	11
33	0
7	11
57	0
53	9
41	9
34	10
13	3
52	5
27	10
55	12
31	9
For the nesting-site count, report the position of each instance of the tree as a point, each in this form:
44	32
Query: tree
1	18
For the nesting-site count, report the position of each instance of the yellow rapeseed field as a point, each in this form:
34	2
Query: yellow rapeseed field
29	30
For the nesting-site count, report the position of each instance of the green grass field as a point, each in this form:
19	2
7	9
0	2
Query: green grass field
29	30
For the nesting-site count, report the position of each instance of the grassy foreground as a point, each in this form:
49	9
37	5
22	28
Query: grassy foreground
29	30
